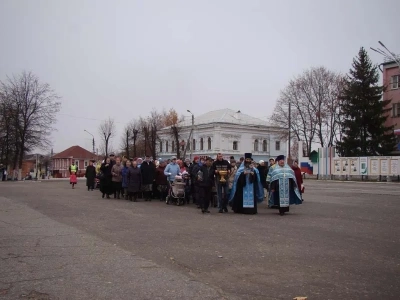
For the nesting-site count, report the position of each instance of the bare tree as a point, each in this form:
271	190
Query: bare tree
135	129
172	120
29	110
144	135
313	97
125	140
107	132
156	122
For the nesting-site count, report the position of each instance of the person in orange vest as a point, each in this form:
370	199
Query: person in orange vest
73	169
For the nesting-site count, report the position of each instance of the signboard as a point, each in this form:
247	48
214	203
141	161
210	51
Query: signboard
374	166
345	166
363	165
384	167
354	166
394	167
336	166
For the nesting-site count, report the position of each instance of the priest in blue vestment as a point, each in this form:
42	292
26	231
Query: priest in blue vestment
283	187
247	189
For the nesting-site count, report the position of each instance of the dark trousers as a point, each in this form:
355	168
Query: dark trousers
125	191
196	195
163	191
133	196
222	193
117	189
205	196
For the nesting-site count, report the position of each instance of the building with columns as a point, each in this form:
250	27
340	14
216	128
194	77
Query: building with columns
227	131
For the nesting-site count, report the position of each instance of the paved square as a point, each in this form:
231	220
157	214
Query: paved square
342	243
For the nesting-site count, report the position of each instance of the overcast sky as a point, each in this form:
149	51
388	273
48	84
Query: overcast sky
120	59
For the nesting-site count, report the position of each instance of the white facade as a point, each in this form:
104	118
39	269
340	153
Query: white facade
226	131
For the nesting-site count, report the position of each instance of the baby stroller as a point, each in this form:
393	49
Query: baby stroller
176	194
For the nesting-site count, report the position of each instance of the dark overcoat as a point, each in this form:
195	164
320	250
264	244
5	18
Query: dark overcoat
134	179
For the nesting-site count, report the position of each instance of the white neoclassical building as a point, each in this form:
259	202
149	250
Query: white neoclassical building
227	131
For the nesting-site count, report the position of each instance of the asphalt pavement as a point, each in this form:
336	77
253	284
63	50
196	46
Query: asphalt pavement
343	242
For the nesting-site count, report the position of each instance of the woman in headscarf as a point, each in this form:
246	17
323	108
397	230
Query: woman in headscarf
105	180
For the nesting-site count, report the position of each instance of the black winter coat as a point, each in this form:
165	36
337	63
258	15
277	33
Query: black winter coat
148	170
90	175
208	177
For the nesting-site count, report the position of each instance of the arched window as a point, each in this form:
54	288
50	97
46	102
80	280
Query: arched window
161	146
256	145
194	144
166	146
265	146
173	146
209	143
235	145
201	144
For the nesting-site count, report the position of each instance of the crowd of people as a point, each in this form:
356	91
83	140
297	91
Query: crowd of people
207	182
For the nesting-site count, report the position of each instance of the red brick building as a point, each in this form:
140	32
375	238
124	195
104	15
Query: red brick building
61	161
391	79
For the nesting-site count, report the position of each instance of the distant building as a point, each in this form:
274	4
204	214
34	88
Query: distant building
391	79
227	131
62	161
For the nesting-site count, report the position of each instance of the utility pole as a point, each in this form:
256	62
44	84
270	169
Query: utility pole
93	144
190	138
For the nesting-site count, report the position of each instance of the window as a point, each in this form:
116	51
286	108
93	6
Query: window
77	164
395	82
183	145
160	146
209	143
277	145
188	146
396	110
235	145
166	146
265	146
201	144
173	146
256	145
194	144
86	164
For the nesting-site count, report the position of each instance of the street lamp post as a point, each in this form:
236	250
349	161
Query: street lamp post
191	134
387	54
94	151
